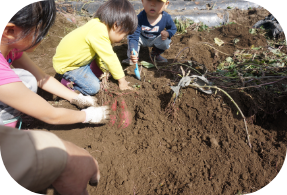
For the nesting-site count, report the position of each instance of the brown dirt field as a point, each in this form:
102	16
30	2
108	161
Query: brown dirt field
203	151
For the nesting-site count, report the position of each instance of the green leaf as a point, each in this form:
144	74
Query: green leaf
220	66
246	56
176	21
256	48
252	31
147	64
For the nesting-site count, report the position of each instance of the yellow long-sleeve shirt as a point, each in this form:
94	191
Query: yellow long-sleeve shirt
84	44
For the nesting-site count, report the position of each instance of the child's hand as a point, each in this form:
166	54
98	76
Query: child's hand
134	58
123	84
84	101
164	35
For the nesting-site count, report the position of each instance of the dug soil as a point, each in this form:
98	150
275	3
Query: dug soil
199	145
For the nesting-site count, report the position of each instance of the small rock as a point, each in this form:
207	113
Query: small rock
168	146
174	148
244	176
214	142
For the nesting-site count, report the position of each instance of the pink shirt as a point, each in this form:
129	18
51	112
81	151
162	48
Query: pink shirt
7	75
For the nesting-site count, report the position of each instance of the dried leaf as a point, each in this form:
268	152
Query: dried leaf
236	40
229	59
218	41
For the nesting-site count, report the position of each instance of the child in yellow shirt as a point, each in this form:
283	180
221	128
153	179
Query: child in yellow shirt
92	42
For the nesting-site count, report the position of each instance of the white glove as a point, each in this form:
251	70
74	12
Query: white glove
96	115
84	101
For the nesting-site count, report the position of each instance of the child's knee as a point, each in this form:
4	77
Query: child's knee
163	45
27	79
92	89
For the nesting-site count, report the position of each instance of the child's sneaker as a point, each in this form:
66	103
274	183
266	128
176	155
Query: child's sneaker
68	84
128	62
155	55
159	58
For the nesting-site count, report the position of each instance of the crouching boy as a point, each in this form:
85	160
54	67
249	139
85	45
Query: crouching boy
155	29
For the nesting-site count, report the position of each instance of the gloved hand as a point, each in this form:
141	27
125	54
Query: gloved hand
84	101
271	23
96	115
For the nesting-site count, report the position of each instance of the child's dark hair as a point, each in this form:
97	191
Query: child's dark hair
38	17
120	12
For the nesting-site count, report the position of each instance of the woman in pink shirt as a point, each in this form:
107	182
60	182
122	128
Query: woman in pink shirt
18	86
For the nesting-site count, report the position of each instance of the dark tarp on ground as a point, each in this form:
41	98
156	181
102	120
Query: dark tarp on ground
270	23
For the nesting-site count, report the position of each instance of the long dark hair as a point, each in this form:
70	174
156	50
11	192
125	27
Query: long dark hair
37	17
120	12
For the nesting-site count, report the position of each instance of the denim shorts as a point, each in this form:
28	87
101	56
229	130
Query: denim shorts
84	80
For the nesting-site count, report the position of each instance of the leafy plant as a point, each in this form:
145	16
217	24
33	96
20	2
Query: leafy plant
136	86
182	25
203	27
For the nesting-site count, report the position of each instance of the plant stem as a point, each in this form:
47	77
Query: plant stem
179	53
219	89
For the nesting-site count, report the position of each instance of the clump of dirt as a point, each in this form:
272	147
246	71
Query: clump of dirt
203	150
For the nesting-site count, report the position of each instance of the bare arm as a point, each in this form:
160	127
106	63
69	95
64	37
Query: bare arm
18	96
45	81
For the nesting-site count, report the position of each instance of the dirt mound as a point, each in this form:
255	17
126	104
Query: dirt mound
202	151
201	47
247	17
